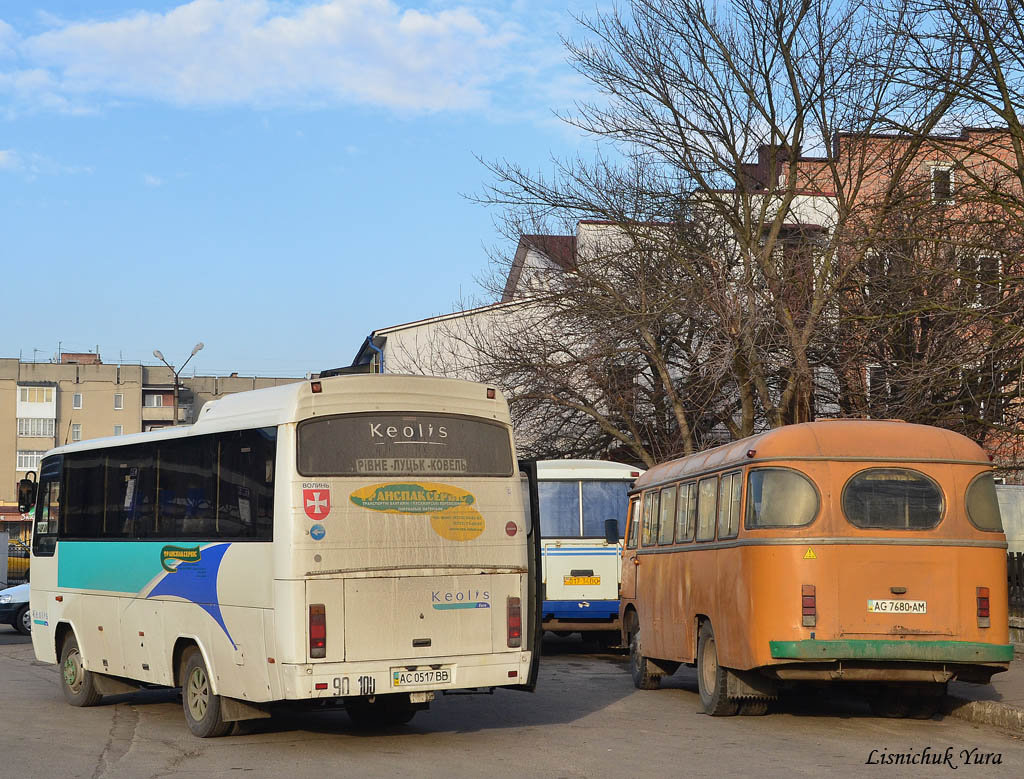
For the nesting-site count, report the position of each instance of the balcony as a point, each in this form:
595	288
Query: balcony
166	413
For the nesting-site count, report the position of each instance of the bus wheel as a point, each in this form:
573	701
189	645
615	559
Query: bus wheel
77	684
640	667
202	707
928	701
753	707
712	679
384	712
891	702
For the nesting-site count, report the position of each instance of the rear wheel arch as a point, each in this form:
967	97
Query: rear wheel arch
183	645
630	623
694	638
60	633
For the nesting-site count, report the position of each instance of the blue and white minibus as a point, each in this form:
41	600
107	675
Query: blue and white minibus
583	506
358	540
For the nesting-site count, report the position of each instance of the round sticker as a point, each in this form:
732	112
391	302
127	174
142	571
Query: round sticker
511	528
317	532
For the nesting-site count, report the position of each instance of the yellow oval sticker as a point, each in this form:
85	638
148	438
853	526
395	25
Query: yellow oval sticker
452	512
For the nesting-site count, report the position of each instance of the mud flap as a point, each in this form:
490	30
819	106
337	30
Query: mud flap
749	684
233	710
111	685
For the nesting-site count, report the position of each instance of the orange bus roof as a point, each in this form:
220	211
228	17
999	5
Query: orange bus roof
873	439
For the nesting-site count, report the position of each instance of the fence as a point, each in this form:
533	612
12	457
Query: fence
17	563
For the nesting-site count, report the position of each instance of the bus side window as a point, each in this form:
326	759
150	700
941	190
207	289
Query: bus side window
650	518
668	510
246	499
634	523
729	506
686	512
48	511
707	500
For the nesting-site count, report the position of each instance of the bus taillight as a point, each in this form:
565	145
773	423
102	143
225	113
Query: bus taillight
983	617
317	630
808	604
515	623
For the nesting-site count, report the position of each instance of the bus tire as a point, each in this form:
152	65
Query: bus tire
712	679
202	708
77	684
644	678
892	702
753	707
928	701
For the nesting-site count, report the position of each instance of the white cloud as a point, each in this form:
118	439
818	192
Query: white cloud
256	52
32	165
8	37
152	181
9	160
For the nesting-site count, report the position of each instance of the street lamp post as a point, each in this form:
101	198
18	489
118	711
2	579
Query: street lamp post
159	355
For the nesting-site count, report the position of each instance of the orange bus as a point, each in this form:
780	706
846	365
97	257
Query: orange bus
847	550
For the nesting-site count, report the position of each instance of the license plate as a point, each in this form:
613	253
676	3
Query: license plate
581	580
897	606
402	677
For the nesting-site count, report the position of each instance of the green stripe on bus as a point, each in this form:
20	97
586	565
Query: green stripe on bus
854	649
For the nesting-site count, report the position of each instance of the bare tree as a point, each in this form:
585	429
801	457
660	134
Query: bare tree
710	110
770	245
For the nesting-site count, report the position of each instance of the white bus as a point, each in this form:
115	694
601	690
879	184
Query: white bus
583	506
358	540
1011	508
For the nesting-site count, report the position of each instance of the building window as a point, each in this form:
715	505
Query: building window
118	401
942	184
29	461
118	430
77	401
76	432
36	394
35	428
153	401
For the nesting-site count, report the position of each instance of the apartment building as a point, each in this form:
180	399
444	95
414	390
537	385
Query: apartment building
43	405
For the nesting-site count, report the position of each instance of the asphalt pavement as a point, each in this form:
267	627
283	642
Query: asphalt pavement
585	720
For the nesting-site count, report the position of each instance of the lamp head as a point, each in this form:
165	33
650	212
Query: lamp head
158	354
198	347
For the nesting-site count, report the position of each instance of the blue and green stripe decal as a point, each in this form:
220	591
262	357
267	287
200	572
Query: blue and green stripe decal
146	569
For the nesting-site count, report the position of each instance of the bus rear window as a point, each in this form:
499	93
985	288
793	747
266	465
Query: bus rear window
778	497
402	444
892	499
983	505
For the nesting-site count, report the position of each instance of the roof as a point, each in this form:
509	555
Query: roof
882	440
553	470
560	249
365	353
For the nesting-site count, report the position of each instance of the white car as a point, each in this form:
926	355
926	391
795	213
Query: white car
14	608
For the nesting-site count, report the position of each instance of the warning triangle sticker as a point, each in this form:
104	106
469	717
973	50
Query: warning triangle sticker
809	554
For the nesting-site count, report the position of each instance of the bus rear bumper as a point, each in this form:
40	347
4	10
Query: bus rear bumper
889	650
582	610
332	680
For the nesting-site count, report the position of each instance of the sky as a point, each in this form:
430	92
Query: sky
274	179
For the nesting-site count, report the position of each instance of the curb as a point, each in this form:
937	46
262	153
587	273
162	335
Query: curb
1001	715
